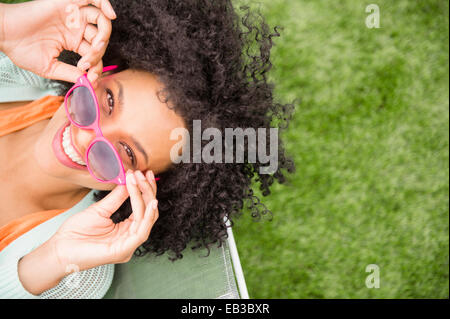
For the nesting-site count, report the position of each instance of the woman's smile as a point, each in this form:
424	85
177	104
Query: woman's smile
64	150
69	149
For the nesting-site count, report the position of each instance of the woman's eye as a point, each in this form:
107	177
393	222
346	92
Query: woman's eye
110	100
129	153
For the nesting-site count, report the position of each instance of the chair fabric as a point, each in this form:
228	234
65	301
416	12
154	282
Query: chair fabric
192	277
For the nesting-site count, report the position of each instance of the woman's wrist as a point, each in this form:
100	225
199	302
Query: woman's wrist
41	270
7	10
2	24
16	24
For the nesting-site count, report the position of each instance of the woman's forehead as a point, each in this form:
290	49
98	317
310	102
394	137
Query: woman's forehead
137	81
139	99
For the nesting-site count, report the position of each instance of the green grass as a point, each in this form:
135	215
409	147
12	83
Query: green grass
13	1
371	144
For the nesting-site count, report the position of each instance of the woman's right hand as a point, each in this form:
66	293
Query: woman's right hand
90	238
34	33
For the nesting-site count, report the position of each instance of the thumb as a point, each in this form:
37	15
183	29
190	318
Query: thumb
111	202
63	71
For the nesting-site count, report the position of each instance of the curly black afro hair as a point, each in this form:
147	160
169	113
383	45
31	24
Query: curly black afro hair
213	63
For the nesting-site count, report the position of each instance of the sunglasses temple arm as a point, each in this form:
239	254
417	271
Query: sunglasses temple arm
109	68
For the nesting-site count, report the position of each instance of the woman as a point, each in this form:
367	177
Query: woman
174	62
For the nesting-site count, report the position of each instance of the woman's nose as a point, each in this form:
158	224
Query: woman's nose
81	139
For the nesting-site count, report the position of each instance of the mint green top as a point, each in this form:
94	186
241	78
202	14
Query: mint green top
19	85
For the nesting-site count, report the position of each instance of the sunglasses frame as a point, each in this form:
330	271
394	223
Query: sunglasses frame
95	126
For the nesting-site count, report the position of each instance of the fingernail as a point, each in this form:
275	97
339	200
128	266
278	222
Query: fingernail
113	13
84	66
110	9
154	204
132	179
150	175
140	175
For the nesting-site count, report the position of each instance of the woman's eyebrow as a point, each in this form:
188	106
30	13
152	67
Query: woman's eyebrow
120	96
135	142
140	149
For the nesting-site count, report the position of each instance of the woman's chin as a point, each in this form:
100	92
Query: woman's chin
44	159
48	163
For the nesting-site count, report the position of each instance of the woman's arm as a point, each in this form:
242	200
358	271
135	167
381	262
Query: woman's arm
2	27
40	270
3	8
34	33
41	274
93	283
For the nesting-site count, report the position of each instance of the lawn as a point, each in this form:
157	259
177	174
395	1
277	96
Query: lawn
370	140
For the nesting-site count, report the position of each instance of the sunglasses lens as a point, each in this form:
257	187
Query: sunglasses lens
81	106
103	161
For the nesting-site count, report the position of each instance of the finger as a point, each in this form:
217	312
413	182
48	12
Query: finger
145	187
93	53
104	5
83	50
63	71
111	202
141	234
151	179
90	32
137	203
123	226
91	58
150	217
94	73
104	26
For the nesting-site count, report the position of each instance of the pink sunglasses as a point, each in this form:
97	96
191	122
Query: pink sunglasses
102	159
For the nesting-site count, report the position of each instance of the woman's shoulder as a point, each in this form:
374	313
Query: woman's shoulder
39	234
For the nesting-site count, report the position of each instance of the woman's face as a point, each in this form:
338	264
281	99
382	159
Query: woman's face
132	118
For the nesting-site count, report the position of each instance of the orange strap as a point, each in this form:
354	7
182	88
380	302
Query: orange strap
12	120
17	118
20	226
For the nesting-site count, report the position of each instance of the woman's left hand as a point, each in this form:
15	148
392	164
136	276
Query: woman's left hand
90	238
33	34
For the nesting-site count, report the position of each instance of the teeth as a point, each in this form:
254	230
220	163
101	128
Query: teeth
68	148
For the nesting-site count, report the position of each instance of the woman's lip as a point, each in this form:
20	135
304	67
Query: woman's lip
59	152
